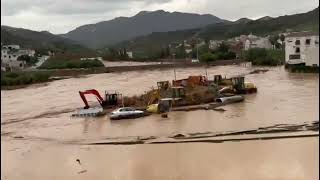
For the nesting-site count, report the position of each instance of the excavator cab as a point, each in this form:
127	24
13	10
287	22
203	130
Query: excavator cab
112	99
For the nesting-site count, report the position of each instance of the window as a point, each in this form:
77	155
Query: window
294	56
297	42
315	65
9	56
316	42
308	41
14	55
5	56
297	50
20	64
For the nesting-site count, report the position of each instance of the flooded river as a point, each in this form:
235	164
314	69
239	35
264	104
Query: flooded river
43	112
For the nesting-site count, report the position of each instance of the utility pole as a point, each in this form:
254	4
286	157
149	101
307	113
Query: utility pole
197	50
206	71
174	68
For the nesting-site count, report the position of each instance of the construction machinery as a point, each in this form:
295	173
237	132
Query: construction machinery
111	99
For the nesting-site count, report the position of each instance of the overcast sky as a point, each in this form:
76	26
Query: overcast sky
61	16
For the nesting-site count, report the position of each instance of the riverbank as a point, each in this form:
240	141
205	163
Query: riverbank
65	73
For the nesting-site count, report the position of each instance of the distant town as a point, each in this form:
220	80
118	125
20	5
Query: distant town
299	48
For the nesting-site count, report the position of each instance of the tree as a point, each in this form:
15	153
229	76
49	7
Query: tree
29	60
162	53
181	52
223	47
282	37
208	57
273	39
24	58
167	51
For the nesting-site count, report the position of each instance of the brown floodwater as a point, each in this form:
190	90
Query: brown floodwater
43	111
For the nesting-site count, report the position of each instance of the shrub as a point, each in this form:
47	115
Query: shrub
71	64
208	57
260	56
23	78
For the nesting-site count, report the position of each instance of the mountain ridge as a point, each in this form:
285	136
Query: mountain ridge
39	40
143	23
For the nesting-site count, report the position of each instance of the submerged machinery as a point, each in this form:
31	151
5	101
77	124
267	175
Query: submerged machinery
110	100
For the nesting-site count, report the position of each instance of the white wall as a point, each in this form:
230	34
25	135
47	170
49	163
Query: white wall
11	59
130	54
257	43
309	54
12	46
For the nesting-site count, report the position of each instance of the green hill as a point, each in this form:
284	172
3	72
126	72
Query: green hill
299	22
40	40
153	43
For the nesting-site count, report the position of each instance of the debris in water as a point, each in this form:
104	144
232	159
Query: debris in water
178	136
219	109
18	137
164	115
83	171
257	71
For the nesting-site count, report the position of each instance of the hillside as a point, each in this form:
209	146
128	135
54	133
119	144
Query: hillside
220	31
243	20
306	21
144	23
39	40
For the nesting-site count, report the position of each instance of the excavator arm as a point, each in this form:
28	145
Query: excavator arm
91	91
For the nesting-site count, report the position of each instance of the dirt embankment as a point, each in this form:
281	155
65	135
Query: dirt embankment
76	72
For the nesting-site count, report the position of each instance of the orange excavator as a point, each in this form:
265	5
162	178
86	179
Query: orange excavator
111	100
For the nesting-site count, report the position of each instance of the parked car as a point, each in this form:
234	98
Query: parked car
125	112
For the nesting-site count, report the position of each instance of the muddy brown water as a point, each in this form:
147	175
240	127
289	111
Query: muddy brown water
44	112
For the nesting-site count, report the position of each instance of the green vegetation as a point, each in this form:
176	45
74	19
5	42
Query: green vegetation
208	57
31	39
29	60
155	45
23	78
222	52
152	44
71	64
260	56
115	54
299	22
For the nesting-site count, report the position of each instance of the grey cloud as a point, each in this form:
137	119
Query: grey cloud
13	7
60	16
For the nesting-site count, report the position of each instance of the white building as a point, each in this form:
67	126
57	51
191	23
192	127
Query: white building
257	42
130	54
11	47
10	54
213	44
302	48
188	50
